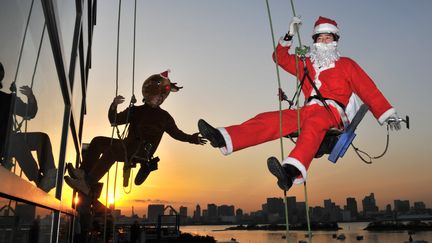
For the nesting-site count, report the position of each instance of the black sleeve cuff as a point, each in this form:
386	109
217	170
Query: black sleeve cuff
287	37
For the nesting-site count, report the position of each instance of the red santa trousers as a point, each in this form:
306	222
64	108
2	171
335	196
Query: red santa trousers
315	121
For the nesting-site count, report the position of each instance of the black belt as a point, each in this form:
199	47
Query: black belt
322	99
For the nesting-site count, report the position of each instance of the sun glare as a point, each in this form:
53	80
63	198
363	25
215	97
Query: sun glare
110	200
76	199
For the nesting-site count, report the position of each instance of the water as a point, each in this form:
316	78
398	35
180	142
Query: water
350	230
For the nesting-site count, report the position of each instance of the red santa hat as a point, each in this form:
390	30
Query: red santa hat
325	25
165	74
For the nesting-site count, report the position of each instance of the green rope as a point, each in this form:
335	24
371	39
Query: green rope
307	213
286	215
301	50
278	78
280	113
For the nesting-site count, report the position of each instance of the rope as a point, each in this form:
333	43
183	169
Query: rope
22	43
133	64
17	126
286	215
370	158
278	79
25	118
307	212
131	104
34	70
115	117
280	114
298	111
297	104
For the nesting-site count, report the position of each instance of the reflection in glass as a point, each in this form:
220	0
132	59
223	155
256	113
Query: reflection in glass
21	222
23	138
77	97
20	143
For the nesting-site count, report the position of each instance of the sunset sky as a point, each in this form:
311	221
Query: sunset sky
220	52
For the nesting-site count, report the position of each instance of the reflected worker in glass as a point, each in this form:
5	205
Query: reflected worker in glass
19	145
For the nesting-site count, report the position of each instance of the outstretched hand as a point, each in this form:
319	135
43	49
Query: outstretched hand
118	100
26	90
294	25
197	139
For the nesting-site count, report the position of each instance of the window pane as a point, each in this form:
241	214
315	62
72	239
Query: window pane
77	96
66	16
21	222
34	125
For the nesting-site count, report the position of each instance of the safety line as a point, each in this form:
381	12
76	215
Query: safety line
280	113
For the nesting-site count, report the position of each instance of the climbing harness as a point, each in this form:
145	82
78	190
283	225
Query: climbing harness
336	140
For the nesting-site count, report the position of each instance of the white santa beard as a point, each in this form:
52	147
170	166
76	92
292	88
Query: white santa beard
323	55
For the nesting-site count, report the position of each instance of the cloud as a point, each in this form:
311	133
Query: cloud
148	201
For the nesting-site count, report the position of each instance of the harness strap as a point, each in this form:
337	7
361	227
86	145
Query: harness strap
319	99
335	104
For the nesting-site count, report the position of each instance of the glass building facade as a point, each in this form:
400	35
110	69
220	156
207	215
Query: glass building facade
45	56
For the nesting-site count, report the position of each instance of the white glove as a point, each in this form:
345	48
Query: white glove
294	25
394	121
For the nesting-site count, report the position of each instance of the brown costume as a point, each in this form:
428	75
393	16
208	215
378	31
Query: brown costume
147	124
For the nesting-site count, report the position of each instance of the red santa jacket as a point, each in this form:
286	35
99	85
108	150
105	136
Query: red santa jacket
338	82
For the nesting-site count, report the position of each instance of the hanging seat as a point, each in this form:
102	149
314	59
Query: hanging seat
337	141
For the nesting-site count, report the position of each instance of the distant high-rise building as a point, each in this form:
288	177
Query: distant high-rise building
419	206
197	213
300	212
352	207
292	209
369	204
328	204
225	210
388	210
183	211
239	212
239	215
226	214
153	211
276	206
401	206
212	211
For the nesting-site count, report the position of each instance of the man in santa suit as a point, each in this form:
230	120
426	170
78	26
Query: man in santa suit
335	79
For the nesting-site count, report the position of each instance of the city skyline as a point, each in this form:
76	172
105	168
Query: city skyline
359	203
224	63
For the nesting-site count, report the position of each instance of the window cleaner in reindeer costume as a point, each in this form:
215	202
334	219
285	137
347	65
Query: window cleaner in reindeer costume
334	80
147	124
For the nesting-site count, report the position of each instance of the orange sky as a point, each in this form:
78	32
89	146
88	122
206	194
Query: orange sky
223	60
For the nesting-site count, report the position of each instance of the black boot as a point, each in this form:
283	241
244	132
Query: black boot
212	134
142	174
145	170
284	173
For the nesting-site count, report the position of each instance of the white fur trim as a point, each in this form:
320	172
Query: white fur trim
353	106
386	115
284	43
228	149
299	166
326	28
